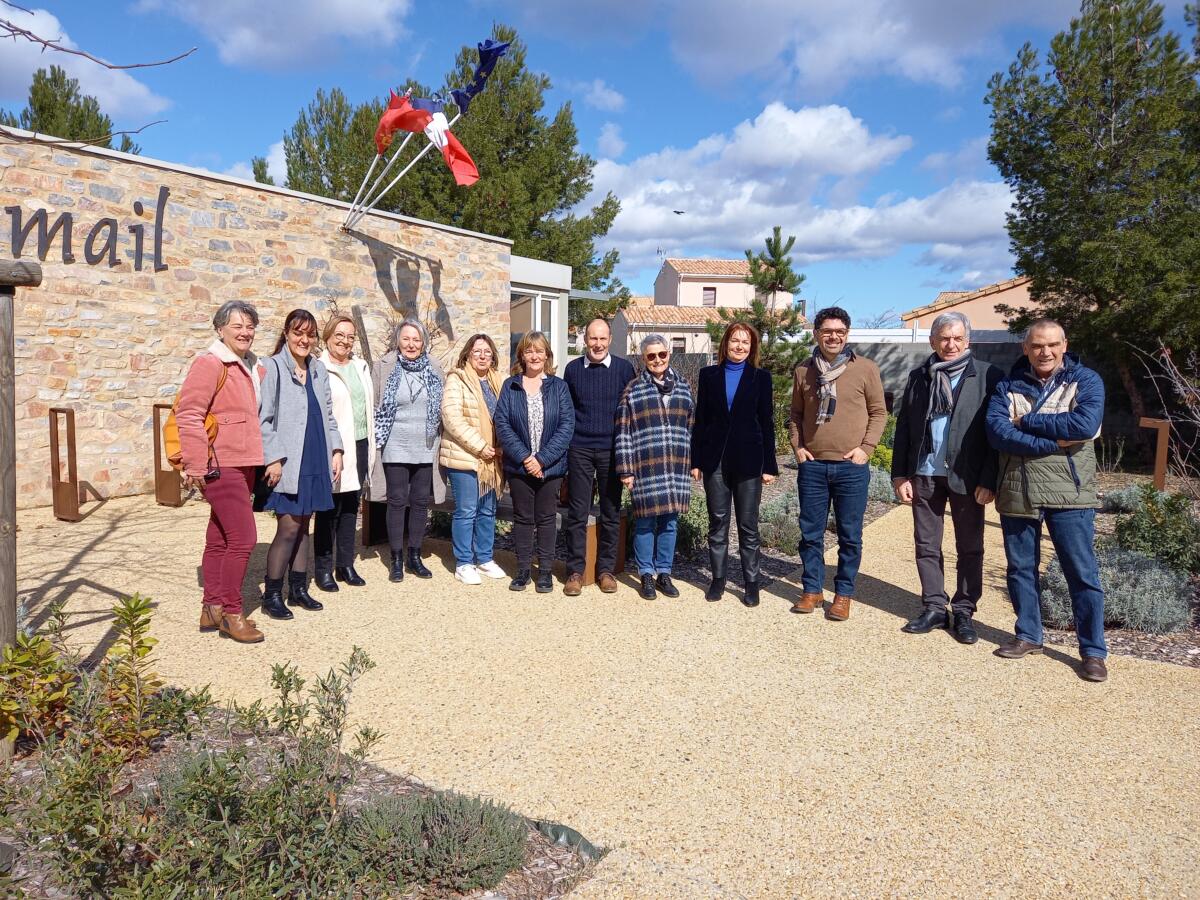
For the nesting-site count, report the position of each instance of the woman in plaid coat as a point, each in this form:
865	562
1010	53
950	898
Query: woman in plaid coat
654	425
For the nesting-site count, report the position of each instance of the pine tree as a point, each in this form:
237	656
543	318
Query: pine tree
58	107
1100	153
259	166
533	177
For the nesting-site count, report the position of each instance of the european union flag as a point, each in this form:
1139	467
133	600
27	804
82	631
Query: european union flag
489	54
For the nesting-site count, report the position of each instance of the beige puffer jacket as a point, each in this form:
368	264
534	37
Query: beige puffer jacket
466	429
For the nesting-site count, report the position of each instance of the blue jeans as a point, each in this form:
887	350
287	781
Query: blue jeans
1072	531
845	485
473	528
654	543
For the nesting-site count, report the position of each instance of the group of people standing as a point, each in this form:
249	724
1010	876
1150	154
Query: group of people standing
305	434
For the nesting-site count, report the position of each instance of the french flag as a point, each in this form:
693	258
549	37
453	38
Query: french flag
421	115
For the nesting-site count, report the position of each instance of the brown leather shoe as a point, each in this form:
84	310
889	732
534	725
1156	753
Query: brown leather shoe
608	584
574	585
210	616
839	610
1016	648
808	602
1093	669
240	629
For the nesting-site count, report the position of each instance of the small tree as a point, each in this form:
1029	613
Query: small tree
771	270
58	107
259	166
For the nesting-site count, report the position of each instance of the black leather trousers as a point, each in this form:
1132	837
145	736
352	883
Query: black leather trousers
725	494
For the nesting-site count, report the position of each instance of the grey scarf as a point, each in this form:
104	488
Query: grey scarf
827	375
941	374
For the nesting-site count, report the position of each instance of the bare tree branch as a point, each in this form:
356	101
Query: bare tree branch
7	136
9	29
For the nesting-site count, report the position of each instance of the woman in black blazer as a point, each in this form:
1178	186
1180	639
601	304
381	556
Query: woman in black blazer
733	451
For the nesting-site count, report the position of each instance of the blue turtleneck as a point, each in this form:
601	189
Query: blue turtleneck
733	374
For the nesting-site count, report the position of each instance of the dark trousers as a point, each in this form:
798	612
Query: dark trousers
723	494
844	484
409	490
535	504
334	531
586	467
230	538
930	495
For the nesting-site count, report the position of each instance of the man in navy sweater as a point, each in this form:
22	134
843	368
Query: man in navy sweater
596	380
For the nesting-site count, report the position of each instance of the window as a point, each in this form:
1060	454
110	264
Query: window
678	345
710	296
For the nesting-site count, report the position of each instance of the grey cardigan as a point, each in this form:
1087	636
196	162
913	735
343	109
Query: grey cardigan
284	421
380	371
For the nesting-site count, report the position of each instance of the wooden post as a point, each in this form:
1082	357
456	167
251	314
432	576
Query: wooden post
12	275
1163	427
168	483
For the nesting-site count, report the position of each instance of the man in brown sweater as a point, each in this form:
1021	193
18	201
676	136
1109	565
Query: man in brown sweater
837	418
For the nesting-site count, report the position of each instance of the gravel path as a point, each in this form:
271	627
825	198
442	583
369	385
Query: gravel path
719	751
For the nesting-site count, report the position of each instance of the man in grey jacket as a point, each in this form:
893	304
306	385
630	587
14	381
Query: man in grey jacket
941	456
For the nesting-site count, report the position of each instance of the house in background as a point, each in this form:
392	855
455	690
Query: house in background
708	283
978	305
685	328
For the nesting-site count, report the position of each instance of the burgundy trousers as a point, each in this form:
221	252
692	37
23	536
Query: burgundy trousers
231	537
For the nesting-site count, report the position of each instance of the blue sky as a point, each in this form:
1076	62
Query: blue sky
864	133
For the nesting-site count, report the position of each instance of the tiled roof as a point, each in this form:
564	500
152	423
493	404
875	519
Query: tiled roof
737	267
641	301
947	299
690	316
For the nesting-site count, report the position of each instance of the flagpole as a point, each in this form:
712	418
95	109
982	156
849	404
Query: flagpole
378	178
368	207
358	196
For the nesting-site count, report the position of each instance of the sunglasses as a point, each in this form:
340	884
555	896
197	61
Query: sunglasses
660	355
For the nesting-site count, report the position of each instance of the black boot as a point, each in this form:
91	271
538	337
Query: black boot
647	591
664	584
750	598
415	566
298	594
397	572
930	619
324	575
347	575
520	580
272	601
716	588
545	580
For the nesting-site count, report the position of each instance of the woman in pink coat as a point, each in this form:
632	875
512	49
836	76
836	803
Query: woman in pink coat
224	471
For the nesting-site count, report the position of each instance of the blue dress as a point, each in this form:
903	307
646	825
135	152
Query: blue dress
314	491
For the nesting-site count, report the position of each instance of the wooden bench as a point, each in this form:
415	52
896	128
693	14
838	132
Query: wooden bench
374	530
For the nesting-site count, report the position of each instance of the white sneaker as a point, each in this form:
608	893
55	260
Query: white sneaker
467	575
491	570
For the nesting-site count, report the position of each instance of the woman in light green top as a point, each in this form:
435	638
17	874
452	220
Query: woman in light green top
353	402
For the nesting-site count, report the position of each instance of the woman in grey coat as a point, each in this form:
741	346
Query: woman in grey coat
302	448
407	424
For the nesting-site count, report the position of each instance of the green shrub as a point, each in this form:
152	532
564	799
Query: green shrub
1125	500
881	458
692	534
1140	592
880	487
889	434
35	689
781	394
439	523
779	523
442	840
1163	526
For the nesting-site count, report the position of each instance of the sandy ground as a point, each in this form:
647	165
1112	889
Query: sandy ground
718	751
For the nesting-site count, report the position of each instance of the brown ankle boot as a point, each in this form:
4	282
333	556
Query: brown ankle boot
839	610
240	629
808	603
210	616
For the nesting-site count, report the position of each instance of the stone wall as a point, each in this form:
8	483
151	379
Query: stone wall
109	341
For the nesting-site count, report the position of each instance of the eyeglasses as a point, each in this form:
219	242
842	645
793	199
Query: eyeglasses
660	355
344	338
484	352
833	332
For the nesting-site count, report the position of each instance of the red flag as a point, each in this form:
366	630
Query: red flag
456	156
399	115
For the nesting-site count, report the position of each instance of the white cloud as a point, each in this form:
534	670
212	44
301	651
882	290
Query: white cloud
808	43
599	95
276	165
119	93
287	33
610	143
777	169
969	159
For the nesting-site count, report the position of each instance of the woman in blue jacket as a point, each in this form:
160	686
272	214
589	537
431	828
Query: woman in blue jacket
534	421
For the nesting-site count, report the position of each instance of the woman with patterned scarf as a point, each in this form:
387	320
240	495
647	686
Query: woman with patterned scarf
654	427
407	431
